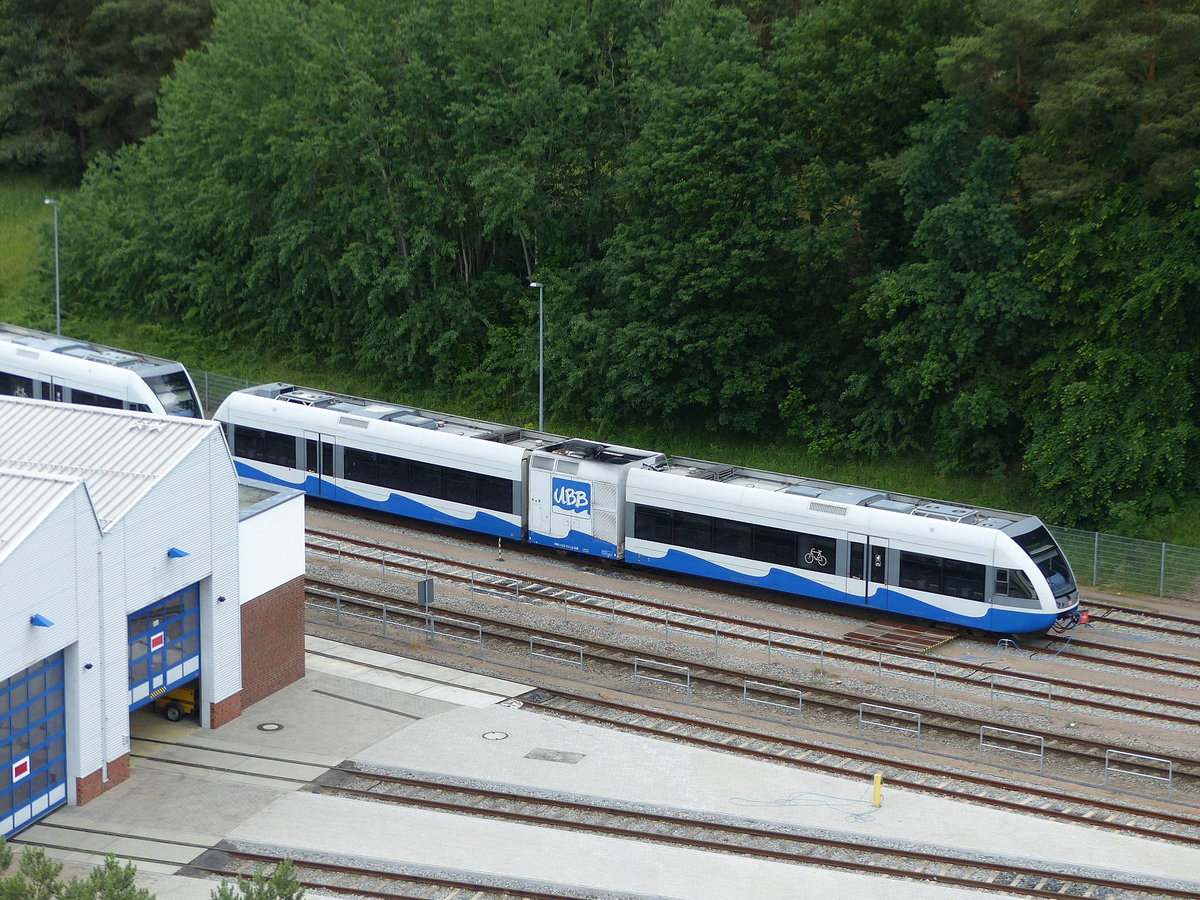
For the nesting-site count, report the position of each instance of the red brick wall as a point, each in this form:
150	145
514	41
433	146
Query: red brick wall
272	641
89	787
225	711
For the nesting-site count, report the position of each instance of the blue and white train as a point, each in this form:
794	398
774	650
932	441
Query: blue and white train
981	569
51	367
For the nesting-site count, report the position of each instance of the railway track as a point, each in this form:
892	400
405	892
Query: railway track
949	763
747	837
743	836
1150	703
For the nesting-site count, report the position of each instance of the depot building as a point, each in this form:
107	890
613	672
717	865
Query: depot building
133	567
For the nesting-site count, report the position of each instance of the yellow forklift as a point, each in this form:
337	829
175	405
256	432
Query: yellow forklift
177	703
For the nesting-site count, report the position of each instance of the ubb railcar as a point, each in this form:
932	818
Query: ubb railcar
51	367
984	569
495	479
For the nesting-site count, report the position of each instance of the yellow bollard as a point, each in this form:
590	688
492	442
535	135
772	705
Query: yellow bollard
878	801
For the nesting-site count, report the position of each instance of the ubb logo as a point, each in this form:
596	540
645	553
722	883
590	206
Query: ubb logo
573	496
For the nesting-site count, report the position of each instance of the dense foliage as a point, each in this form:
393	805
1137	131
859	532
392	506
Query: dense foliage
79	78
879	226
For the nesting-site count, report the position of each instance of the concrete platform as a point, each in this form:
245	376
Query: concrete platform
191	789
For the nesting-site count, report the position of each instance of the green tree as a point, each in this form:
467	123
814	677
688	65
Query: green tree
281	884
957	329
79	78
37	878
696	273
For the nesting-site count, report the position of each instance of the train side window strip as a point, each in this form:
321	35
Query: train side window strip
730	537
428	480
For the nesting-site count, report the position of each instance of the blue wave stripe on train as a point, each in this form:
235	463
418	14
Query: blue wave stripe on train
881	598
577	542
396	504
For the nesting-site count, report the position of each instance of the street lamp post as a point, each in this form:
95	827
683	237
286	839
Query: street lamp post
541	355
57	283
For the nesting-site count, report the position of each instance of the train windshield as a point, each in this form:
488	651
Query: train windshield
174	391
1049	558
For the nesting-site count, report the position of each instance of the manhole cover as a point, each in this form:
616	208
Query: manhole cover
494	735
270	726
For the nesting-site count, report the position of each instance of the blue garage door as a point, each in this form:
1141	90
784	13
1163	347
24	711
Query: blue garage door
164	646
33	745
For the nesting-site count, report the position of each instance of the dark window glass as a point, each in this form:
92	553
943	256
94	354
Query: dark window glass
693	531
425	479
1014	583
858	560
651	524
391	472
15	385
87	398
458	486
817	553
732	538
310	457
496	493
360	465
774	545
921	573
281	450
249	443
963	579
327	459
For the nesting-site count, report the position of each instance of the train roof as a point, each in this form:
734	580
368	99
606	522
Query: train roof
820	491
611	454
140	363
381	410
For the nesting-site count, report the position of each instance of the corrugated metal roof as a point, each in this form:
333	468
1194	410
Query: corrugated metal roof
25	500
118	454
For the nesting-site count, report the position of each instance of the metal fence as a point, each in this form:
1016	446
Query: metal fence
214	388
1105	561
1130	565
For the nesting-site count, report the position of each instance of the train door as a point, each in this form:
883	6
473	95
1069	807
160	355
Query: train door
318	463
51	389
877	572
856	571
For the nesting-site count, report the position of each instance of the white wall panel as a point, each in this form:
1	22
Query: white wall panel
271	548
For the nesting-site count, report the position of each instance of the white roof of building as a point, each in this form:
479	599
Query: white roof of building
26	500
119	455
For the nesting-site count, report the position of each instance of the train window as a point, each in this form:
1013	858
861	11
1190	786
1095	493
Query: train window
360	465
817	553
175	393
249	443
858	560
87	398
1014	583
733	538
327	460
391	472
310	456
142	407
280	450
963	579
652	524
496	493
949	577
458	486
693	531
15	385
425	479
774	545
921	573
